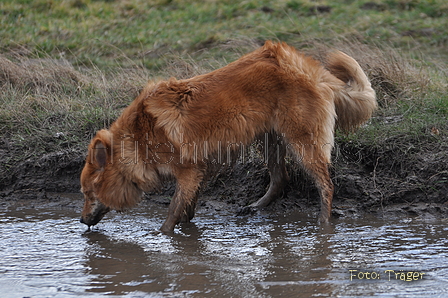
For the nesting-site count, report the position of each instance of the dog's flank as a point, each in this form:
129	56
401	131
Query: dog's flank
175	128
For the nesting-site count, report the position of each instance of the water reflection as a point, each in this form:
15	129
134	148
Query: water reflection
116	267
300	260
216	256
219	255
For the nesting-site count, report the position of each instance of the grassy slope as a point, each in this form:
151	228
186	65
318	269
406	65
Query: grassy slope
68	67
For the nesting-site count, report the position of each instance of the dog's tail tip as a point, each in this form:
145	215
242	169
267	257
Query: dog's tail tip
356	102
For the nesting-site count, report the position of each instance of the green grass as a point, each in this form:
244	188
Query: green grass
102	31
68	67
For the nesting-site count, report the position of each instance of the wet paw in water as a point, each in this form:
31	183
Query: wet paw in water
247	210
154	232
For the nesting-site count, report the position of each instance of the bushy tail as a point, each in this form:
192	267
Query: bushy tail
356	101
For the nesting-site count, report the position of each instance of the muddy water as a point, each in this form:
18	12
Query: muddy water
46	252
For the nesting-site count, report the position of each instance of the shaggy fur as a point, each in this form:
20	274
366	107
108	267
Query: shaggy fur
178	127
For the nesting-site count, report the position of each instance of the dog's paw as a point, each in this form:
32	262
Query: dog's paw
154	232
247	210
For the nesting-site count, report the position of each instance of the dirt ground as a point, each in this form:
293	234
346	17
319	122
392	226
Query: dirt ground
384	180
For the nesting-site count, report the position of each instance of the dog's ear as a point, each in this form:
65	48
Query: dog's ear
100	149
100	154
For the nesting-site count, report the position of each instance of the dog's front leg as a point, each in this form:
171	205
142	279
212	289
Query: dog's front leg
184	200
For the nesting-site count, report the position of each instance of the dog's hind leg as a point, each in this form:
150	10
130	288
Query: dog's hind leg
277	170
315	159
320	173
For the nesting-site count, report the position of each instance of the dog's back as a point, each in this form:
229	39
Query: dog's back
243	99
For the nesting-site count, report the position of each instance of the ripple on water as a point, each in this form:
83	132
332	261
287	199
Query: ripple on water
47	253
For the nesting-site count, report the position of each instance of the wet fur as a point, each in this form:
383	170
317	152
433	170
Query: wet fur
175	128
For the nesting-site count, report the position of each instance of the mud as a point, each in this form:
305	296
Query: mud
399	177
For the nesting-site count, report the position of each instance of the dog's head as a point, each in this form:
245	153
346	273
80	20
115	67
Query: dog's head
104	186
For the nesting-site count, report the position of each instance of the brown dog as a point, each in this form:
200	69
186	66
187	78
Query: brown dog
177	127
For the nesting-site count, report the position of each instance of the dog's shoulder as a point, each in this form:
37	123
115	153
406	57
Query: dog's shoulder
172	96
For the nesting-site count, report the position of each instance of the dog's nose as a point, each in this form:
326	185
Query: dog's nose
81	220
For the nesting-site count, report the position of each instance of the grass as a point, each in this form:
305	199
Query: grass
67	68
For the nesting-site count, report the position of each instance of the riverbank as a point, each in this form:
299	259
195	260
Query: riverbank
379	181
60	83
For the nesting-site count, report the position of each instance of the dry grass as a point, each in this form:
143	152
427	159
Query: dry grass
47	103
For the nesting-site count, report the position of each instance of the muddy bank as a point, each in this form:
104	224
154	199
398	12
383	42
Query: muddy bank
34	177
403	178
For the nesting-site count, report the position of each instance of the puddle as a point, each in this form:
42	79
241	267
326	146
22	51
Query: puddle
45	252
